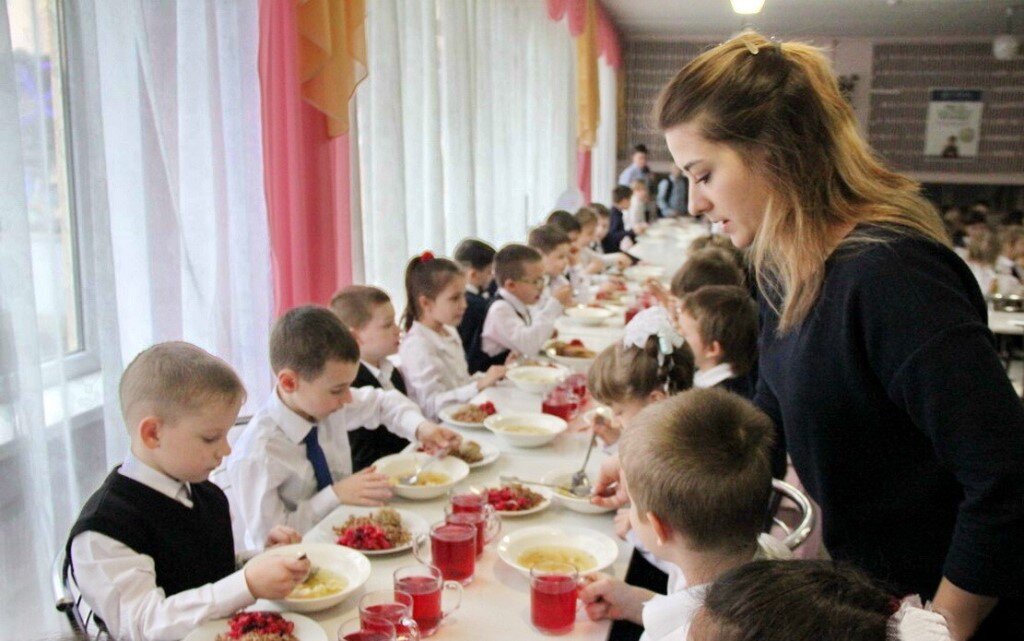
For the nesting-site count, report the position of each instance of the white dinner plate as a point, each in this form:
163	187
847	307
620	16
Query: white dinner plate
322	532
543	505
306	629
446	417
490	453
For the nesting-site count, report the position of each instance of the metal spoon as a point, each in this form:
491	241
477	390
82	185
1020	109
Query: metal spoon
415	476
564	488
313	569
580	484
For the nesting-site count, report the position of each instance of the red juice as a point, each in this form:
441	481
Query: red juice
476	519
560	405
468	502
454	551
426	601
367	635
553	603
393	612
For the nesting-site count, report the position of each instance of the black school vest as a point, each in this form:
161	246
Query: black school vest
479	360
190	547
368	445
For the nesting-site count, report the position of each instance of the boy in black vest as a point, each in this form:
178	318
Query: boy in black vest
152	551
370	316
477	260
719	323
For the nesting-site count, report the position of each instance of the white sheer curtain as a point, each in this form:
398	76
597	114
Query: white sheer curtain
183	149
466	127
169	241
603	155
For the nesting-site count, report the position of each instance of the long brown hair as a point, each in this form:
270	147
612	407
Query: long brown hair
427	276
778	105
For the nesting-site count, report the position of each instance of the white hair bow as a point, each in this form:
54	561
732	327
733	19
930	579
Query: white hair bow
653	321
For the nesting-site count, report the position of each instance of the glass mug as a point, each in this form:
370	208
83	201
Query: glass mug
486	521
553	597
426	586
394	606
452	549
368	628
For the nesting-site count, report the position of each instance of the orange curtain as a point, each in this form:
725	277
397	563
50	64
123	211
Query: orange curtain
332	56
588	100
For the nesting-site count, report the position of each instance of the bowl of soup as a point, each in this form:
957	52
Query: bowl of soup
340	572
526	429
537	379
432	482
586	549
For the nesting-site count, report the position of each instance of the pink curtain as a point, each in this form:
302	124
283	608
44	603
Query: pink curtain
306	174
607	36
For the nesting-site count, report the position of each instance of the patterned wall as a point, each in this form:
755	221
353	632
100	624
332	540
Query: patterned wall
902	75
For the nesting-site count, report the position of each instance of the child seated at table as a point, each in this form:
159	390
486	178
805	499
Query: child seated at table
152	551
719	323
697	471
370	316
619	236
433	360
649	364
609	259
555	247
511	326
708	266
291	462
785	600
476	258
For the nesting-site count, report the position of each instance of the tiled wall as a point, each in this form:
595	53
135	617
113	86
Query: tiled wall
900	76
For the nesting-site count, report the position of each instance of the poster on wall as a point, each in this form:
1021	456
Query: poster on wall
954	123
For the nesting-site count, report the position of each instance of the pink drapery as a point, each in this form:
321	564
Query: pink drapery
306	174
607	35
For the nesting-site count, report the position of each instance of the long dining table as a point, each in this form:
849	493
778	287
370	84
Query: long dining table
496	604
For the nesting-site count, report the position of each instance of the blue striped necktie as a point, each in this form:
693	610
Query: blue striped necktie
316	457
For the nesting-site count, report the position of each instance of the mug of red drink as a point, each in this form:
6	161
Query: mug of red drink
471	501
560	402
452	550
578	384
367	628
426	586
553	597
487	524
396	607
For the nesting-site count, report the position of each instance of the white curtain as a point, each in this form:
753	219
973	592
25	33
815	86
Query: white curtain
183	148
169	235
603	156
466	127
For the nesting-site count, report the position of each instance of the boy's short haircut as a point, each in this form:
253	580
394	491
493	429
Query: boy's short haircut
621	193
585	216
709	266
601	210
174	379
719	241
306	338
510	262
547	238
641	149
701	462
564	220
726	314
355	304
474	253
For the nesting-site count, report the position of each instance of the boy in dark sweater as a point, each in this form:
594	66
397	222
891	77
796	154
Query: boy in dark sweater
477	260
719	323
370	316
152	551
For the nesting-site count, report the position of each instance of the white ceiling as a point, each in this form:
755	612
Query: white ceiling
838	18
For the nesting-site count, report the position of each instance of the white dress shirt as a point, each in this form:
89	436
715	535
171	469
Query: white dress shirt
434	368
383	375
712	376
119	584
270	481
510	325
668	617
554	282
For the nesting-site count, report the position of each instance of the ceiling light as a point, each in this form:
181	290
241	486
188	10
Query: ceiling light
747	7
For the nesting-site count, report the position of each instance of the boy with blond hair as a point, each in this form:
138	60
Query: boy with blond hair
697	470
152	551
719	323
292	461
